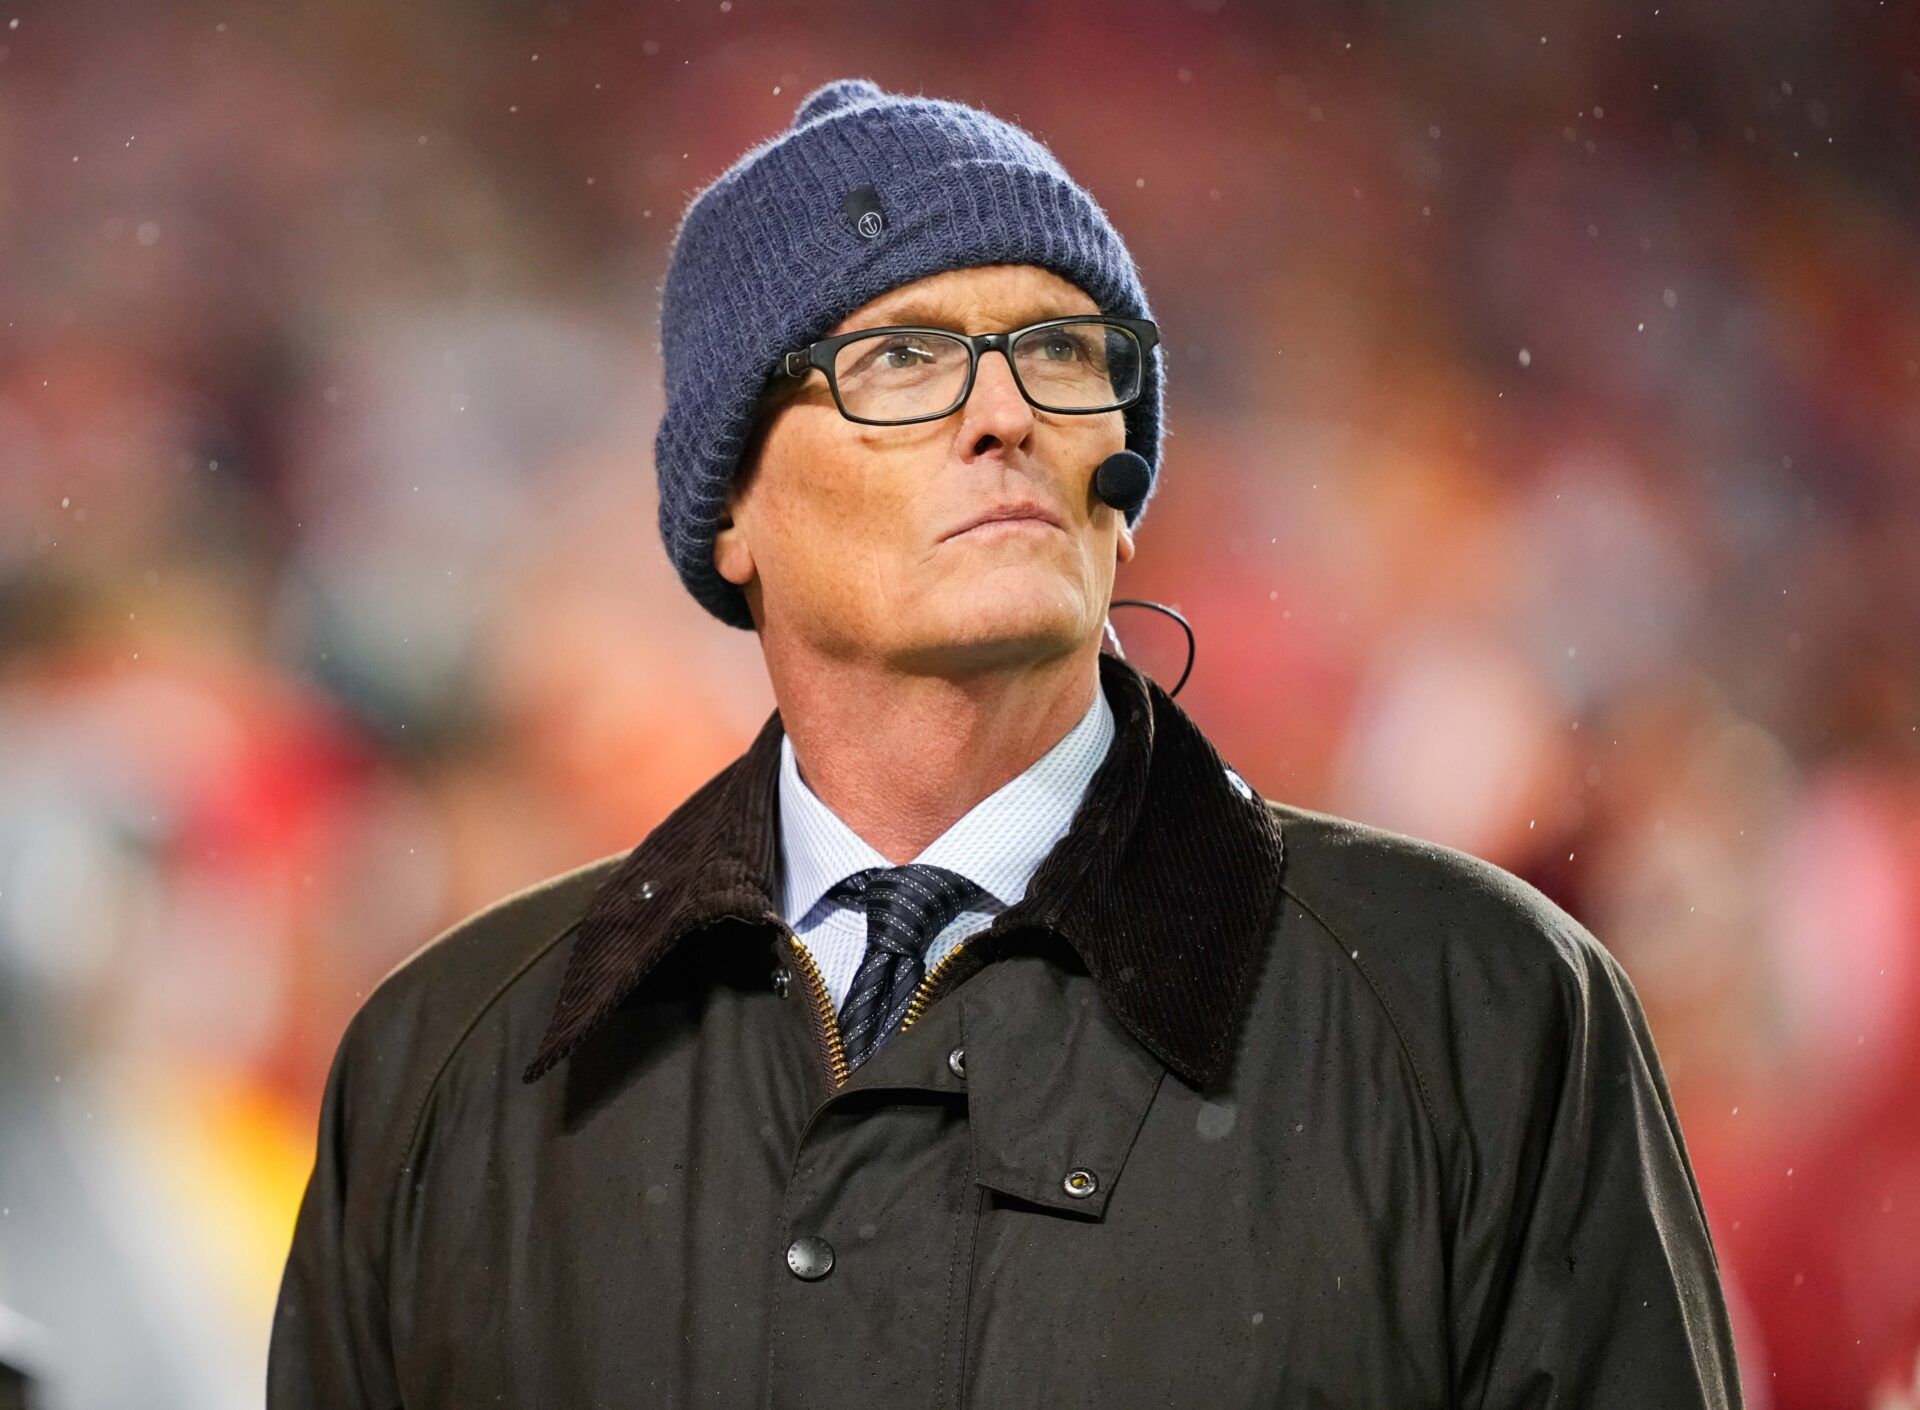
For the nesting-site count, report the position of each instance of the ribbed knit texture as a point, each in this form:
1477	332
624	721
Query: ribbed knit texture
766	259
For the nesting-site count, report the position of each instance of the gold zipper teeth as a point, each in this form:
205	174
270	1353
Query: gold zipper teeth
924	993
833	1044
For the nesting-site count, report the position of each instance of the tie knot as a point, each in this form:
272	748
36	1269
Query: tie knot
908	905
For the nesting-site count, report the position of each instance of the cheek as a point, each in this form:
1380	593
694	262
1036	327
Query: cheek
841	510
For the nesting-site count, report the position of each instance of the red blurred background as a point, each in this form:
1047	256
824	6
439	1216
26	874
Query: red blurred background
1542	477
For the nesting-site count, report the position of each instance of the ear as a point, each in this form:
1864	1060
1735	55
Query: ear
1124	542
732	557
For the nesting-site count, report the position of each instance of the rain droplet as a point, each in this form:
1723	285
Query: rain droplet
1214	1120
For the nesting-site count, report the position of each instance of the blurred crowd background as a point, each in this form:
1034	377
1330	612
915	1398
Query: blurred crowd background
1542	477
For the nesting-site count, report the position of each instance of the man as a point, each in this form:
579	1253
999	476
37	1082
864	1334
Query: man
979	1037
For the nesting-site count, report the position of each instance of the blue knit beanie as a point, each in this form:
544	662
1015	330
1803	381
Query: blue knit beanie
868	190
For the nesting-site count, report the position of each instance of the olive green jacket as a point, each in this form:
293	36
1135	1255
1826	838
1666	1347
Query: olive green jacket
1242	1105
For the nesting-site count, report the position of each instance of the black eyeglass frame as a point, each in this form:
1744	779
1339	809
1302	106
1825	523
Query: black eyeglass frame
822	354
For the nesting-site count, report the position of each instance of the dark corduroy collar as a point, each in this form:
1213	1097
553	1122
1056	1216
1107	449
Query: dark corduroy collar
1164	884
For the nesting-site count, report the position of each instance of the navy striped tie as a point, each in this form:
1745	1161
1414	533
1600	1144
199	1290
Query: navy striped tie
906	908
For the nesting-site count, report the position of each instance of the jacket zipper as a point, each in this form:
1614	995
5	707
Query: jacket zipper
833	1047
924	993
826	1028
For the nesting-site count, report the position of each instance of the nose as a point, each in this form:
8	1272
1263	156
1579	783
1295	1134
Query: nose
995	406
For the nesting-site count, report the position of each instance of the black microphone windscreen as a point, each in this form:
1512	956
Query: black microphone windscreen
1123	480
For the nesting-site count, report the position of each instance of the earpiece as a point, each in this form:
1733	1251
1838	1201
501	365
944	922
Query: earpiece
1122	481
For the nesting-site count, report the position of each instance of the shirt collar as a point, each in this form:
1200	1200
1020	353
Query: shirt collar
997	844
1165	884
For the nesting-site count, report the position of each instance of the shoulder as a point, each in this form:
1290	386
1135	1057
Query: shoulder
1477	969
1416	897
415	1018
471	959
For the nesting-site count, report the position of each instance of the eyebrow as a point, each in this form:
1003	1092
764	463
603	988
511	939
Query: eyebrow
937	316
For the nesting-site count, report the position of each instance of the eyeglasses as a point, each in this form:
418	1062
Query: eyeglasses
895	376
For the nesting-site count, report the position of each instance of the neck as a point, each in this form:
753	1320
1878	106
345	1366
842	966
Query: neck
901	758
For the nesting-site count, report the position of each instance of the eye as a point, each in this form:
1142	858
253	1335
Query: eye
901	353
1067	345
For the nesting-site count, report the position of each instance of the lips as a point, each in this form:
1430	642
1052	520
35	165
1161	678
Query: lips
1020	510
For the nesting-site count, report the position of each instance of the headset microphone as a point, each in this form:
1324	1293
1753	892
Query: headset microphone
1122	482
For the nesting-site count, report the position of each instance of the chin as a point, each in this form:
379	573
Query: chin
1008	618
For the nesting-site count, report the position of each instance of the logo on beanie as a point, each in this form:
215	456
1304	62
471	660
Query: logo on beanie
864	214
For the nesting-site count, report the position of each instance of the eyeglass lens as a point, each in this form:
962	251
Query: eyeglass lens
1087	366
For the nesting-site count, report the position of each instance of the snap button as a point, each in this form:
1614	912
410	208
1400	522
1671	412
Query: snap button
957	1063
782	981
1080	1183
810	1257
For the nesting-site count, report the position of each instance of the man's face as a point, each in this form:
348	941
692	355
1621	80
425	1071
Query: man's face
849	538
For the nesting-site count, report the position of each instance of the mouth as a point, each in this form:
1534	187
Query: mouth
1008	520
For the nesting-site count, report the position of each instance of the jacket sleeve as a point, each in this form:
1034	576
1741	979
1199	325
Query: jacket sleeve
1594	1281
329	1347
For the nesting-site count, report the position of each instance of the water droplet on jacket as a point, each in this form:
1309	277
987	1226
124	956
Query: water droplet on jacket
1214	1120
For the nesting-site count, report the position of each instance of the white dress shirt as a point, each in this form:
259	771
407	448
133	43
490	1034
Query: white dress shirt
998	845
